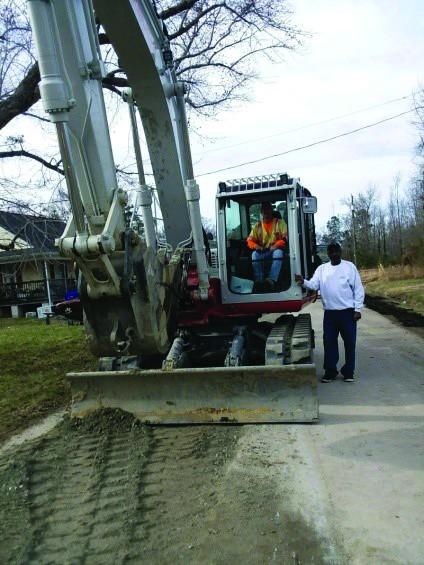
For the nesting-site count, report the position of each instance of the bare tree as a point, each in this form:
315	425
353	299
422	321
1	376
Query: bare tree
397	201
387	233
18	70
414	201
416	192
419	121
392	232
216	45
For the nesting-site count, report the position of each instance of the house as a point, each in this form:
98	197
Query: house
32	273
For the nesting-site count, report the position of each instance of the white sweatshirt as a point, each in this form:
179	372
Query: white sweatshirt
340	286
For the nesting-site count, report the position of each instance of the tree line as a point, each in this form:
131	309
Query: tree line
373	233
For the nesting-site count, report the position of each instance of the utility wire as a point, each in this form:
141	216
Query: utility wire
306	126
319	142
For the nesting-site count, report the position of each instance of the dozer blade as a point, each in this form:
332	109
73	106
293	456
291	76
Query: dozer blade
208	395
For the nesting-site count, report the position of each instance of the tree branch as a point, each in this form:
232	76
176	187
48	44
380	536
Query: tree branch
182	6
115	81
37	117
103	39
24	153
12	242
185	28
25	95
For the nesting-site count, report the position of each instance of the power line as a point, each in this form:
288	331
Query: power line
311	144
306	126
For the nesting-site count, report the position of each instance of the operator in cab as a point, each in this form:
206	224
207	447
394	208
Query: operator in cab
267	241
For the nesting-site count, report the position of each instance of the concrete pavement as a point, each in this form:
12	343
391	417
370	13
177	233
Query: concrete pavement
368	450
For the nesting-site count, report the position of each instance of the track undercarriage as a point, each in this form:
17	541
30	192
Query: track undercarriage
257	372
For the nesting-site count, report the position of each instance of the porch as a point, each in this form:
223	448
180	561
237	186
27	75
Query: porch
35	292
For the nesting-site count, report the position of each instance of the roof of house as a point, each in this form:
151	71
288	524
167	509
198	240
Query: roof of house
34	239
38	231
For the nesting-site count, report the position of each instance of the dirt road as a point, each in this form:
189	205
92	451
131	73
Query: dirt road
348	490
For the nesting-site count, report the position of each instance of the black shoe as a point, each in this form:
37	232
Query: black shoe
258	287
349	379
269	285
328	378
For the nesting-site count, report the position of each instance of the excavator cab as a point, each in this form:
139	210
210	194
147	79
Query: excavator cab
238	205
241	215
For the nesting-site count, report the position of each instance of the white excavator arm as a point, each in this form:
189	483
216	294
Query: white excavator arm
71	90
128	289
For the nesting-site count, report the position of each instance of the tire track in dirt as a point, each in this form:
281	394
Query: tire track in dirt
180	474
88	511
108	489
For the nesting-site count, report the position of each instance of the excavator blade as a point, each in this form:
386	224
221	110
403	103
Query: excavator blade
208	395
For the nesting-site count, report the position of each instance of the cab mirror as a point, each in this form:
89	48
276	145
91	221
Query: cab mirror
309	205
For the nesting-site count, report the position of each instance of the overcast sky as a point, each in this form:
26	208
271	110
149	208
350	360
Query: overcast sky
362	53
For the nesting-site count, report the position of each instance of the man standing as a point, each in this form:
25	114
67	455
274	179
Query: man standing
267	240
342	296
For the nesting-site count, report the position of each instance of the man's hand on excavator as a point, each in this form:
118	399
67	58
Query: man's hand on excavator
299	279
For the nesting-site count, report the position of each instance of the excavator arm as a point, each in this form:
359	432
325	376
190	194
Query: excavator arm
71	90
128	287
143	51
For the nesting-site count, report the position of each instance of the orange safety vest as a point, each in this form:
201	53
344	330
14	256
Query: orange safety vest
264	237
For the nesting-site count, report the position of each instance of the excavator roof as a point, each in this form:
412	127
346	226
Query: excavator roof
265	183
254	183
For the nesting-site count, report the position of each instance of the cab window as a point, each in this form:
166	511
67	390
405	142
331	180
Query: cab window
239	221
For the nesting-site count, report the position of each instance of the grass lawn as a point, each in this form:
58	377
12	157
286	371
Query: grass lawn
34	358
408	293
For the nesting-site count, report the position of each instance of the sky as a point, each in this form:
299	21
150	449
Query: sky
361	64
362	54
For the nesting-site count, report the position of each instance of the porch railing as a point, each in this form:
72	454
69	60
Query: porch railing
35	291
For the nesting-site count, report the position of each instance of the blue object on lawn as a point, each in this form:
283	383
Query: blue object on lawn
70	295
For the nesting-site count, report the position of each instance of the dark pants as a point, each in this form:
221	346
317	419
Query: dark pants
335	322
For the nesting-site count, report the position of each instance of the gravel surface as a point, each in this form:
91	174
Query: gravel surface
348	490
108	489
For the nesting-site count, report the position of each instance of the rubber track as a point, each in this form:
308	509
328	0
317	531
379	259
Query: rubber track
96	497
278	343
290	341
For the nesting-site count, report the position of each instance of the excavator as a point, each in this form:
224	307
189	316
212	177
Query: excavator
182	333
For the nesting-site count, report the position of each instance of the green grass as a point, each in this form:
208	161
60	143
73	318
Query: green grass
34	359
408	293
